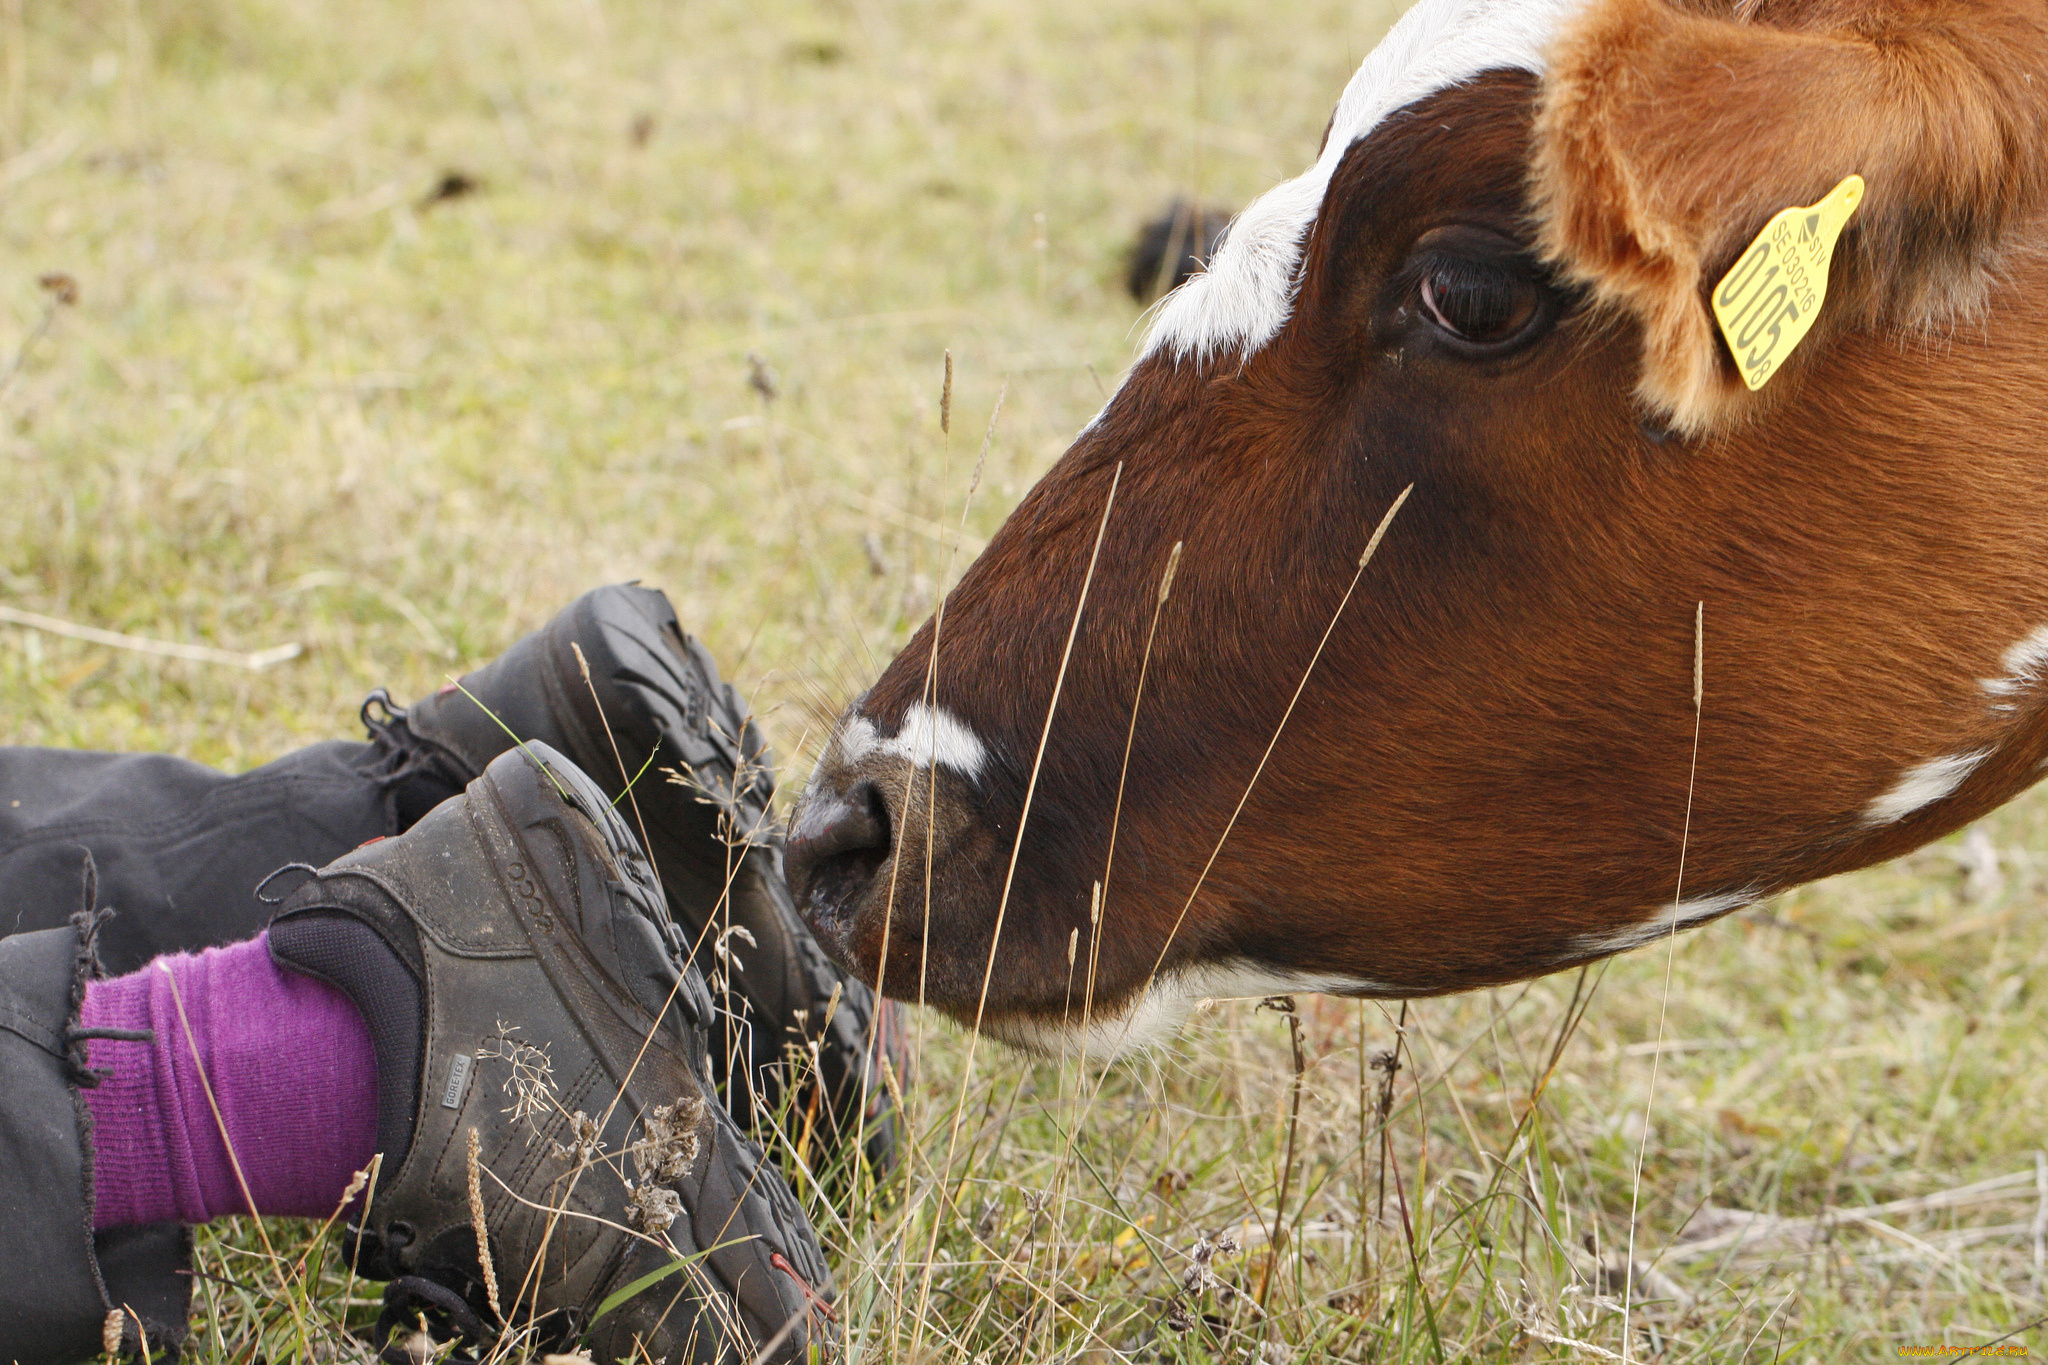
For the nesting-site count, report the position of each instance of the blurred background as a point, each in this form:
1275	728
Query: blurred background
384	329
398	325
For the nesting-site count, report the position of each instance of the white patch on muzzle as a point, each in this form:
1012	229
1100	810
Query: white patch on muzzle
930	736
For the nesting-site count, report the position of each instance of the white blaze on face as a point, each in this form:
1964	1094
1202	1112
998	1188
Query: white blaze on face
1244	297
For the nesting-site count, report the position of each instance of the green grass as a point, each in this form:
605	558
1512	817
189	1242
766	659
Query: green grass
297	402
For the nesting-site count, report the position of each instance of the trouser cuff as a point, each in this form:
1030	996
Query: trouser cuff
74	1293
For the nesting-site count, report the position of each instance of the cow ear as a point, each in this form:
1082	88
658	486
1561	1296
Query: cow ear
1666	139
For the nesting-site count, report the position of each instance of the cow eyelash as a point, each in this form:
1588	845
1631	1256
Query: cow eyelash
1480	303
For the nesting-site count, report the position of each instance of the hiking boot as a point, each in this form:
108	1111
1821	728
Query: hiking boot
643	706
542	1073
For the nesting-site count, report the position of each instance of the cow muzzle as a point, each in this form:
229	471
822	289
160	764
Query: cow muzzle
890	845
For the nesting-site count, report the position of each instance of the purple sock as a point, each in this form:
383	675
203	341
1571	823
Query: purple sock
292	1070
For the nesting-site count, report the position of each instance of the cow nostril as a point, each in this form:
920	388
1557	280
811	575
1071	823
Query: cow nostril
837	846
858	827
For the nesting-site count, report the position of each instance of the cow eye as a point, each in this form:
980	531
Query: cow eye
1475	291
1484	303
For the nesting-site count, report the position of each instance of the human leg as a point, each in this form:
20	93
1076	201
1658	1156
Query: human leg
190	1122
180	848
70	1278
184	851
511	971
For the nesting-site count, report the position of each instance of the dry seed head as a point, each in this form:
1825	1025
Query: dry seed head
667	1146
532	1081
652	1208
61	287
1699	653
946	397
891	1084
480	1225
1172	568
1202	1257
732	931
586	1141
1206	1248
1073	945
988	438
1381	529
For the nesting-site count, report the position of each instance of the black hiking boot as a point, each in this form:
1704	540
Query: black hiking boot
644	704
542	1074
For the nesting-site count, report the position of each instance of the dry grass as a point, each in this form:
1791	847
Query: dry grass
302	400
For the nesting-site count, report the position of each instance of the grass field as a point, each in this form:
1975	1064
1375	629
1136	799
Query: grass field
398	325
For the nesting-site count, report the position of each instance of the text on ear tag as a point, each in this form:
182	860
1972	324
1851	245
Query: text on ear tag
1768	302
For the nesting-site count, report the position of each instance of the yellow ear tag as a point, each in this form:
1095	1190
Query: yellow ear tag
1768	302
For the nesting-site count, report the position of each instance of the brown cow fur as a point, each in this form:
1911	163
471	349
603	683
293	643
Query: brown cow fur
1667	137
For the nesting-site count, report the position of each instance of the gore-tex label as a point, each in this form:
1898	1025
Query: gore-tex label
458	1080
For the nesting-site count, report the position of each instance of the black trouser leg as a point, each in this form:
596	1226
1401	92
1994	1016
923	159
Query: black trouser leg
181	849
63	1280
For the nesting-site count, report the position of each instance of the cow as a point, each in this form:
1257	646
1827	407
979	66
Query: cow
1644	643
1171	248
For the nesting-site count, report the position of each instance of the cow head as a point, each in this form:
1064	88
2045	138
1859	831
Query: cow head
1077	802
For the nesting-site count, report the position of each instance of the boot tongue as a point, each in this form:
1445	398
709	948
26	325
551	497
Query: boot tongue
383	981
